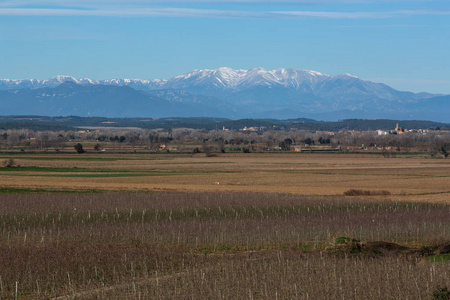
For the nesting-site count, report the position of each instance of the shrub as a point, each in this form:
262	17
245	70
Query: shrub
444	152
440	245
97	147
442	293
353	192
342	240
388	154
347	245
79	148
208	150
426	251
10	163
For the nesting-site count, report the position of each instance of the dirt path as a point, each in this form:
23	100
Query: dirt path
92	292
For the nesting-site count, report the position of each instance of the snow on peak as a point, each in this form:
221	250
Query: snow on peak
63	78
221	78
347	75
257	70
315	73
225	70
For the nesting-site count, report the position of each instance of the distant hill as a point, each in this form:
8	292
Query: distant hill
70	98
227	93
73	122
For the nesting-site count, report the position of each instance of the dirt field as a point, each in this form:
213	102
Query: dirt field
221	246
310	174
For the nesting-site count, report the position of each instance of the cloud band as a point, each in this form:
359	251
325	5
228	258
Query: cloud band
211	13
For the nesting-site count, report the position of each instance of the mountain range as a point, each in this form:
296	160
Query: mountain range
255	93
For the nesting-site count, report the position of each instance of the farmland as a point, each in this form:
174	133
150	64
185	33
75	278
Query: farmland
228	226
407	177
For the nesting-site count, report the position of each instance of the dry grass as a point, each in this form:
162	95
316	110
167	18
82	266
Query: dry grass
312	174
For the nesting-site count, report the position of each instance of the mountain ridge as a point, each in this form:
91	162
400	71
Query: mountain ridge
256	93
70	98
227	76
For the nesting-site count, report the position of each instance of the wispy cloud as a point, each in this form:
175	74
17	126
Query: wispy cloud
361	15
142	12
211	13
382	26
15	3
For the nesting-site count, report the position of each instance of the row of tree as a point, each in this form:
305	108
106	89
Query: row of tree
432	141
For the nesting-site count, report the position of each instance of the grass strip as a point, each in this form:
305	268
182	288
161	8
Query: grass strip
440	258
81	158
88	170
93	175
11	190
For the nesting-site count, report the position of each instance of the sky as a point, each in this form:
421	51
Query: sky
403	43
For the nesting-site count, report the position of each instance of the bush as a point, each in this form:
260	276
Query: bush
388	154
354	192
440	245
10	163
425	251
444	152
97	147
208	150
347	245
79	148
442	293
342	240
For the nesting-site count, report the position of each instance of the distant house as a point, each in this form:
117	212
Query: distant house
308	148
398	130
251	129
300	148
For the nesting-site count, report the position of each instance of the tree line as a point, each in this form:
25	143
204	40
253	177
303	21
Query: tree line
434	142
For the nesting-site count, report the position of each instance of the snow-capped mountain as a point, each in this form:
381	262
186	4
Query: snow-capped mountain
279	93
227	78
8	84
222	78
231	81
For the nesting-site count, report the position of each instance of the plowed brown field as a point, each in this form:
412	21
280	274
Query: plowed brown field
311	174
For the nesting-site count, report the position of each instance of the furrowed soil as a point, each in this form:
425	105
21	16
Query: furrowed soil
309	174
220	246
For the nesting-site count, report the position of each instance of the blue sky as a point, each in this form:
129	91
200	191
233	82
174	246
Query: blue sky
405	44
